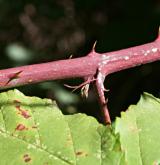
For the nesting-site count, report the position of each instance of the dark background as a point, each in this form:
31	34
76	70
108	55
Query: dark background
36	31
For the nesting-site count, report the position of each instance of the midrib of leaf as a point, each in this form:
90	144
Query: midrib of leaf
75	158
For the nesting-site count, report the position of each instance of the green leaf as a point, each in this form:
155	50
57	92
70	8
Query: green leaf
139	131
18	53
34	131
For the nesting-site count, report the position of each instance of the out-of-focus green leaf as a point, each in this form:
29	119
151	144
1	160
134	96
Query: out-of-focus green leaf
61	94
18	53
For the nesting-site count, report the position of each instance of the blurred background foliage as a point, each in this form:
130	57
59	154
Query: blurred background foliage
36	31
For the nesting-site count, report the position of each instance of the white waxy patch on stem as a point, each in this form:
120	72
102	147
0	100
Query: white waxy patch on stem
104	56
104	62
100	79
147	52
126	58
154	50
135	54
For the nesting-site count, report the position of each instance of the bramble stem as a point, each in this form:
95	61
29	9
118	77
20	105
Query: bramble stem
84	67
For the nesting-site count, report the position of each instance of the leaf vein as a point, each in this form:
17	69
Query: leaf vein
72	141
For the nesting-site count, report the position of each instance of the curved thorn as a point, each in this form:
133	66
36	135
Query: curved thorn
70	57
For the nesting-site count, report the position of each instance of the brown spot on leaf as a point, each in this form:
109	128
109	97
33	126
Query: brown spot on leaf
34	126
46	163
16	102
26	158
23	112
21	127
81	153
18	107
